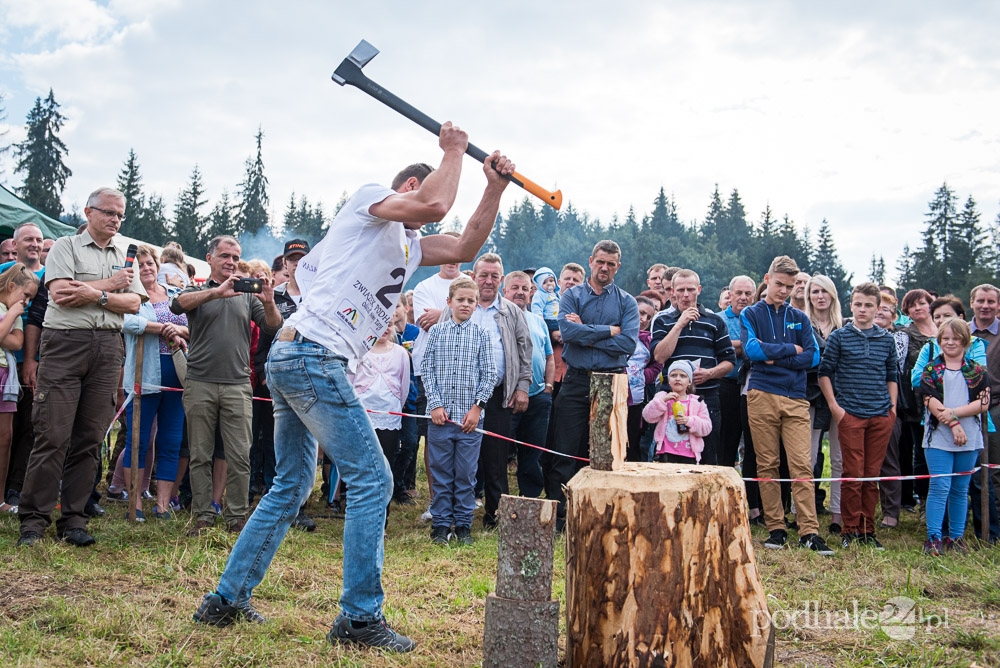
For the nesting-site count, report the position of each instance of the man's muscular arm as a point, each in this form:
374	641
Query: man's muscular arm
443	249
432	200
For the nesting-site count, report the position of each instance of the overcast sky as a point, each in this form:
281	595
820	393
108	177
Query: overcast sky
852	111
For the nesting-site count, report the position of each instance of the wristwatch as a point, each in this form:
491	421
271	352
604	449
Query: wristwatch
481	404
103	301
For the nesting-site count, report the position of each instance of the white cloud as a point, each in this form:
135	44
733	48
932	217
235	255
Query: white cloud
65	20
855	113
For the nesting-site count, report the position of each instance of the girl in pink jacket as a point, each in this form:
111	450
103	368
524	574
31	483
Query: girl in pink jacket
681	418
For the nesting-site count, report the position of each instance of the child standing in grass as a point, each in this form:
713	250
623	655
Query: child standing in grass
858	377
955	392
459	374
18	286
681	418
382	382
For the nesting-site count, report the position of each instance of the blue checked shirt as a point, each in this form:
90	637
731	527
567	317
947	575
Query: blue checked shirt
458	368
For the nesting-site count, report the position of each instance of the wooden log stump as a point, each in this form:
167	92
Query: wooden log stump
660	570
608	420
522	624
521	634
526	546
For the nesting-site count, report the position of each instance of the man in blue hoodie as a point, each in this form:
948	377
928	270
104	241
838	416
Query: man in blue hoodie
778	339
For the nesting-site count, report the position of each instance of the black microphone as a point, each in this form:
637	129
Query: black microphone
130	255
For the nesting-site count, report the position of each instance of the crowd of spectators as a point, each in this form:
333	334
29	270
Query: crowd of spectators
773	379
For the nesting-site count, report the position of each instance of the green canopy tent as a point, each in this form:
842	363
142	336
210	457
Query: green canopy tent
14	211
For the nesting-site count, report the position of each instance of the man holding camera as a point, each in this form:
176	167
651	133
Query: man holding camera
217	391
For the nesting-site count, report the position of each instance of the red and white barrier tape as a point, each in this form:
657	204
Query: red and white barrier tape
872	479
584	459
488	433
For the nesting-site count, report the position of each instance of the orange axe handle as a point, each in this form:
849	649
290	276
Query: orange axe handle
552	198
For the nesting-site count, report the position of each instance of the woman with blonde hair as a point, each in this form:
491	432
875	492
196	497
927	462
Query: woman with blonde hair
823	309
259	269
916	305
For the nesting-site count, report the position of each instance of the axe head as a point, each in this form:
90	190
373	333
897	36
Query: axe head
349	71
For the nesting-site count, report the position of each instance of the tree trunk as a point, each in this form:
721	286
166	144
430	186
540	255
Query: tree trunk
660	570
521	634
527	541
608	420
522	624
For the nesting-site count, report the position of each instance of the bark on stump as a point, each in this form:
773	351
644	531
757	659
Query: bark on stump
522	623
660	570
608	420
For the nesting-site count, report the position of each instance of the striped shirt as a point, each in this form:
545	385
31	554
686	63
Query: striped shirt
458	368
859	363
704	341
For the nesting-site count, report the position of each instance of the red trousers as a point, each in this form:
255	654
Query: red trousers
862	443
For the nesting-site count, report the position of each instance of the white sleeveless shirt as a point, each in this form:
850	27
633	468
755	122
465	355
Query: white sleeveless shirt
352	279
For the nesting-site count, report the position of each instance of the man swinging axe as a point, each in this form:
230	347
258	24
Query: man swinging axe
350	283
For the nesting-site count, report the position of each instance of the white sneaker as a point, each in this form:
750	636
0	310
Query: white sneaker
479	503
426	516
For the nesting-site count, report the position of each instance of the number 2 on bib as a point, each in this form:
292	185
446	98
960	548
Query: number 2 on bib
392	289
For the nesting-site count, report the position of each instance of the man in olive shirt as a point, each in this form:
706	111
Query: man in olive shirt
90	290
217	390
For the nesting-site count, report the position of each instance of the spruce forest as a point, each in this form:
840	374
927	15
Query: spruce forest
955	251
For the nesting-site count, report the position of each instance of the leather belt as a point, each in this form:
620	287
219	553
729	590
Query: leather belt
590	372
291	334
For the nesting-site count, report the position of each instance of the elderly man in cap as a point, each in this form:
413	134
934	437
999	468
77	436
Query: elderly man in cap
287	298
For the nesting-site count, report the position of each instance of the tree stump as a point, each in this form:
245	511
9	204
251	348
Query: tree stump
522	623
521	634
526	546
608	420
660	570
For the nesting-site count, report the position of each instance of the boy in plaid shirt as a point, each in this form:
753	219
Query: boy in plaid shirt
459	375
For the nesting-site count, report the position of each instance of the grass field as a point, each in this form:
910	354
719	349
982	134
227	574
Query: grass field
129	600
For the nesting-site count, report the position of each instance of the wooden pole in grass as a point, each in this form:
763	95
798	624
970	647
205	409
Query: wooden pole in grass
608	420
136	417
984	472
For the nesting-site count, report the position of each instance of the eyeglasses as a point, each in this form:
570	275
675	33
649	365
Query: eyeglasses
110	214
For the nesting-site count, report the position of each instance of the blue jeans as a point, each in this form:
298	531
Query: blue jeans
168	410
453	457
312	395
531	426
952	491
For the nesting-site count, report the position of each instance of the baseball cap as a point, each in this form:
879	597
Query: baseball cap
296	246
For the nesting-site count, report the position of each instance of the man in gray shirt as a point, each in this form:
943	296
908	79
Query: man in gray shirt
217	390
